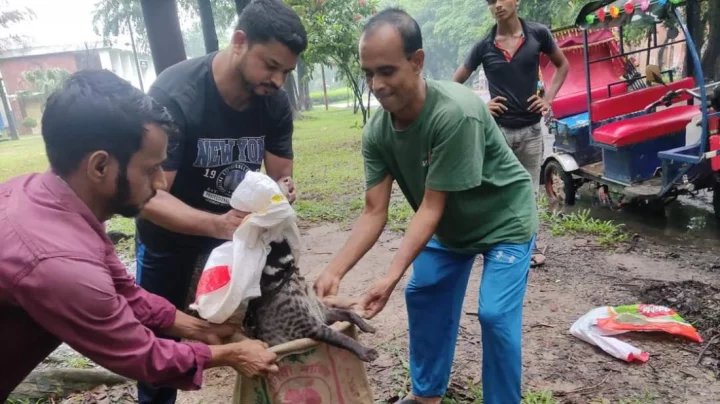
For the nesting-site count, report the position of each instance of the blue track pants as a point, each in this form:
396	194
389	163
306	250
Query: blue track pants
434	297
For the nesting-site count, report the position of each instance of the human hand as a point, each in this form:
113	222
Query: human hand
538	105
288	186
250	357
189	327
213	334
226	224
327	284
496	106
378	296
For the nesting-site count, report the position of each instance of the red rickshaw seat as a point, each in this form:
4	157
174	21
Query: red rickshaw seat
646	127
576	103
635	101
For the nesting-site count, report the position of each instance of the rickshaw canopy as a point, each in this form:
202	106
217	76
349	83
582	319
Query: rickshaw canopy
617	13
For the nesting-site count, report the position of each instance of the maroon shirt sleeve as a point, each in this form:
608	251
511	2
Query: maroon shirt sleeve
77	301
153	311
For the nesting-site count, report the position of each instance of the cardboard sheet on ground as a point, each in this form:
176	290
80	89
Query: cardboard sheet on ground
599	325
231	276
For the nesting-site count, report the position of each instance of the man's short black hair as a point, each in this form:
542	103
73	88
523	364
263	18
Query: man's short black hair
97	110
267	20
405	25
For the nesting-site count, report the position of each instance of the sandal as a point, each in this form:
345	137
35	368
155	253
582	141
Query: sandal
537	259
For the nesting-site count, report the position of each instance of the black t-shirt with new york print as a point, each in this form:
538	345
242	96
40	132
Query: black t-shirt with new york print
217	145
516	79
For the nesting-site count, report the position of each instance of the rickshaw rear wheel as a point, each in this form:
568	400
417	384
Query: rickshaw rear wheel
559	184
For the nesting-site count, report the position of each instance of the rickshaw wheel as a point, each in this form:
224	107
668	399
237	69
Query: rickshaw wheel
559	185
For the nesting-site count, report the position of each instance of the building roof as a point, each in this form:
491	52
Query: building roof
57	49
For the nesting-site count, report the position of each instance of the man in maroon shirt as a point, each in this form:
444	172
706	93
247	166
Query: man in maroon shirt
60	280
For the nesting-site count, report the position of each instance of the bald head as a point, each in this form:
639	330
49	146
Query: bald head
402	23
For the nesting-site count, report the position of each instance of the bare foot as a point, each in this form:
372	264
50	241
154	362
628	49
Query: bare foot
537	260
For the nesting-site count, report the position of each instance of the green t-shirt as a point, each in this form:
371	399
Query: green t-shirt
456	146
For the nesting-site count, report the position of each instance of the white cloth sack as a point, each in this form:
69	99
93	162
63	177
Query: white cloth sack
231	276
587	330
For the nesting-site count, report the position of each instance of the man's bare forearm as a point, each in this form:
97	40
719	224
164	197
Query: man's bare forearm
186	326
461	74
557	82
278	167
421	229
364	235
173	214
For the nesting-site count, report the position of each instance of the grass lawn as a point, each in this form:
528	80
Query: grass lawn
22	156
328	174
328	169
334	96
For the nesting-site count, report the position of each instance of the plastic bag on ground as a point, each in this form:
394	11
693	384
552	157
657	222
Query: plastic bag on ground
597	327
231	276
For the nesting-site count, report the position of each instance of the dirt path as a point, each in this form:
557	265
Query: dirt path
577	277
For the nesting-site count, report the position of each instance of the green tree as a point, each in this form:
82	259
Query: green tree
333	28
41	83
10	17
711	57
449	28
114	17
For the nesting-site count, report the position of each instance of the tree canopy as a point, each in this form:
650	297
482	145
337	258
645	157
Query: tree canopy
451	27
8	18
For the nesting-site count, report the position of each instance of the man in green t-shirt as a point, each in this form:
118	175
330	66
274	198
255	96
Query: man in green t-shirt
440	143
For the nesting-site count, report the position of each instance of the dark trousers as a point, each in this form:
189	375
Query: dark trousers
168	274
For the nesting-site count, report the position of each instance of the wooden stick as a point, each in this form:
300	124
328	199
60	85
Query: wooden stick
393	338
583	389
705	348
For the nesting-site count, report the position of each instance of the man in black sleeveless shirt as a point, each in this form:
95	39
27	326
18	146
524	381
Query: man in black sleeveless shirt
233	116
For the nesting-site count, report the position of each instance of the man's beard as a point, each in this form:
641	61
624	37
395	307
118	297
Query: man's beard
253	87
120	203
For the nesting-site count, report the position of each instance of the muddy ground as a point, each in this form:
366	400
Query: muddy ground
578	276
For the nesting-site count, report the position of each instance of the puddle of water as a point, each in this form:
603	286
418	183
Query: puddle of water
685	221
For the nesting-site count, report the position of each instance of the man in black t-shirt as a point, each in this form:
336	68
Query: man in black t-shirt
233	116
510	57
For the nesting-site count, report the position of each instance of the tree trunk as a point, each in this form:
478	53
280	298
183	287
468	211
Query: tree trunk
695	23
240	5
322	70
711	58
135	56
207	21
303	86
62	381
661	54
368	105
291	91
163	33
358	92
